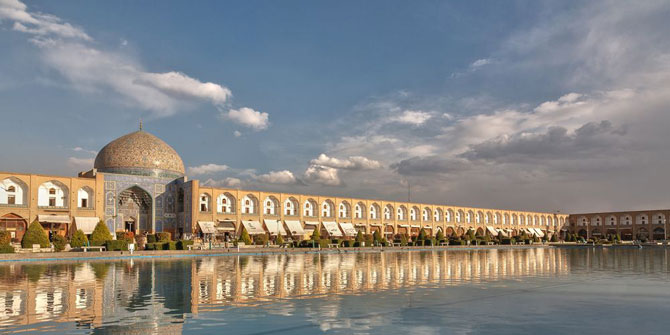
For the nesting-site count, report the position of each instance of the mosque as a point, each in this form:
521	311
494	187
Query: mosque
138	183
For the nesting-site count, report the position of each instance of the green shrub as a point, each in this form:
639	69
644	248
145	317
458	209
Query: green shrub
183	244
280	239
316	235
79	239
457	242
439	236
244	237
376	236
324	243
403	240
35	234
151	238
5	237
100	234
163	237
422	234
6	249
169	245
427	242
261	239
359	236
554	238
59	242
116	245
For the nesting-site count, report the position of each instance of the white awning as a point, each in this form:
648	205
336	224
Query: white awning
207	227
403	225
86	224
253	227
539	232
360	225
428	226
375	225
348	229
54	218
492	231
415	226
226	225
273	226
295	228
332	229
502	232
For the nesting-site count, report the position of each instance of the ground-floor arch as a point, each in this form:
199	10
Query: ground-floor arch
135	209
15	225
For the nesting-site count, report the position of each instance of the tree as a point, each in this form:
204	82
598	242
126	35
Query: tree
100	234
554	238
403	240
280	240
59	242
359	236
316	236
35	235
79	239
440	235
422	235
245	237
376	236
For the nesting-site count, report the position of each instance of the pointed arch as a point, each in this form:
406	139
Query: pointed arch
225	203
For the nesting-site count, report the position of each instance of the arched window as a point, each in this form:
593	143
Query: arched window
225	203
13	191
52	194
327	209
359	210
290	206
271	205
402	213
478	218
426	214
388	212
249	204
437	215
374	211
309	208
204	202
343	210
468	217
413	213
85	197
449	216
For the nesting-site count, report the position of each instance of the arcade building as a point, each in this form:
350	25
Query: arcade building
138	184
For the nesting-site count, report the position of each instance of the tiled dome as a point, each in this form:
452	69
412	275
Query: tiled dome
140	153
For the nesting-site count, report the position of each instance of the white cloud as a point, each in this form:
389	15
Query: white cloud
91	69
479	63
416	118
278	177
237	133
248	117
206	169
80	149
351	163
225	182
323	175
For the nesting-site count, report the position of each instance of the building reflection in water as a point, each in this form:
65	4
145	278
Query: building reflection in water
150	296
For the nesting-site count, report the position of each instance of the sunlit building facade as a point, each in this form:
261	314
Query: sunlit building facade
138	184
631	225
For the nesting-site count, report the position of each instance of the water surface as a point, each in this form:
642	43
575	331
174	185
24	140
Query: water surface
501	291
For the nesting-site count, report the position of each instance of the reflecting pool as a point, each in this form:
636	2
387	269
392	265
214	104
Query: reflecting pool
501	291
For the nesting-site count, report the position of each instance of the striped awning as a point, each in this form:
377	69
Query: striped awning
492	231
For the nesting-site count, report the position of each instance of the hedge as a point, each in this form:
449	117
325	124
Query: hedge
5	238
163	237
170	245
457	242
151	238
116	245
507	241
35	235
183	244
6	249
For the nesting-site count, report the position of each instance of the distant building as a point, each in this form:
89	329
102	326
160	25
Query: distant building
631	225
138	184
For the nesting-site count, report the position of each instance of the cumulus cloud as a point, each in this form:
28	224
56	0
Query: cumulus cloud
479	63
278	177
206	169
351	163
323	175
80	149
225	182
248	117
236	133
91	69
412	117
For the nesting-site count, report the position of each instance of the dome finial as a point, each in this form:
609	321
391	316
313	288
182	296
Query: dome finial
140	124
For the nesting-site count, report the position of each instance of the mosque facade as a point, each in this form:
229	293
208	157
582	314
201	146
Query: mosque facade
138	183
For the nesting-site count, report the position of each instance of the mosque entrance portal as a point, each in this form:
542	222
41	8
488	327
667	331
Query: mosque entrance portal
135	206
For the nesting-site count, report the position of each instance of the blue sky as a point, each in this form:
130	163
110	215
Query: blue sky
547	105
